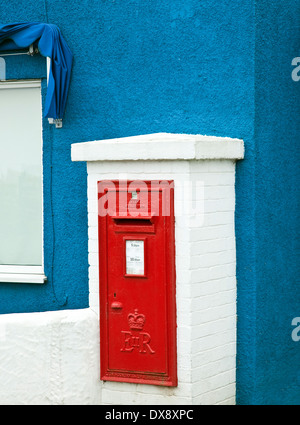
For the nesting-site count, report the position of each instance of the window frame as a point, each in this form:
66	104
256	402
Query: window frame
21	273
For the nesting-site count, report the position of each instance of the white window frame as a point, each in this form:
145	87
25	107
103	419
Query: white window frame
15	273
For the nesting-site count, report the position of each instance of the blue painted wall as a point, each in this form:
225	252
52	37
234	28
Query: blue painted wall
183	67
277	141
268	265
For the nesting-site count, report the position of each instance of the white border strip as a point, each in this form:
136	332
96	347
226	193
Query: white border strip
22	278
20	84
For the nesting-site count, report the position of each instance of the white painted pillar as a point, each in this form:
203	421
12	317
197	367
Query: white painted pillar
205	255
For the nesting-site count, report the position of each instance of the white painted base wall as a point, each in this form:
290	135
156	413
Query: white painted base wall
49	358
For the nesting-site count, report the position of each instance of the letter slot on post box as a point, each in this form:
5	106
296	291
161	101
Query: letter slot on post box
137	282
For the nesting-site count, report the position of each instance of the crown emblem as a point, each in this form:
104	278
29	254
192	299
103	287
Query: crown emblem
136	320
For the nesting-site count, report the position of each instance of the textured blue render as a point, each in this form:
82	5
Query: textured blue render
268	358
218	68
277	207
138	68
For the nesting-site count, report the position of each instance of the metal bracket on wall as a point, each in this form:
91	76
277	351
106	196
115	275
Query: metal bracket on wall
58	122
31	52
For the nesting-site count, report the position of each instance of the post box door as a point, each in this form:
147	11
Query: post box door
137	290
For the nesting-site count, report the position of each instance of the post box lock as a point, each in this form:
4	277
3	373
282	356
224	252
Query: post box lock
116	306
137	283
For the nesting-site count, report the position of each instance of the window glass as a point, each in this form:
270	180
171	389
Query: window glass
21	209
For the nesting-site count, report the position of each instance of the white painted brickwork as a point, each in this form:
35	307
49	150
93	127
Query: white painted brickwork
205	270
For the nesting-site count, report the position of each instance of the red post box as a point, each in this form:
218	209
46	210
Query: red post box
137	282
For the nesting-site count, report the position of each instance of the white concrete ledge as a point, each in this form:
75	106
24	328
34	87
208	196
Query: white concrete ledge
22	278
159	146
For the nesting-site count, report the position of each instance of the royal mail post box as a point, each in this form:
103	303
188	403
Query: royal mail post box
137	282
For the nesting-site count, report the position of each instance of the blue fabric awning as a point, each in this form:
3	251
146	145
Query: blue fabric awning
50	42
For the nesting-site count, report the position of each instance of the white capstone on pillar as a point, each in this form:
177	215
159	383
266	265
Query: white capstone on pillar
203	170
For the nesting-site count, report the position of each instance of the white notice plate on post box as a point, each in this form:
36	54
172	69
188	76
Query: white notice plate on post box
135	256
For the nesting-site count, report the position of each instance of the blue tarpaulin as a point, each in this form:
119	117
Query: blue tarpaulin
50	42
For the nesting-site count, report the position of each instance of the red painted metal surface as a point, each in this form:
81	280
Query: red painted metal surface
137	283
